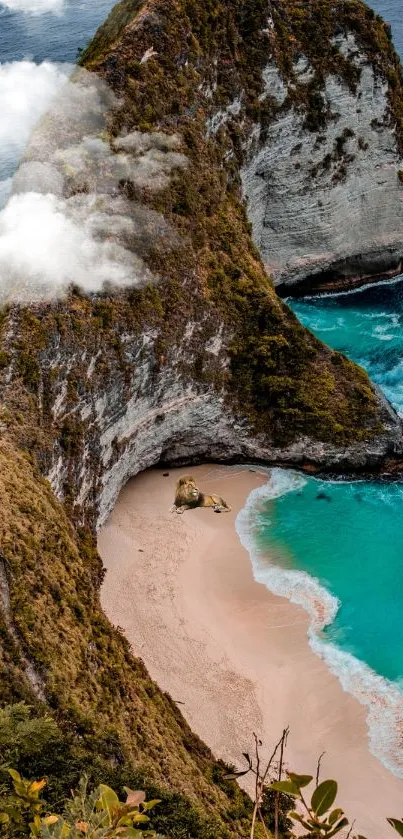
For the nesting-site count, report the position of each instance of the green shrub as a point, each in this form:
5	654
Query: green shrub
98	814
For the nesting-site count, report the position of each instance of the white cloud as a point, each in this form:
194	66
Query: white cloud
34	7
69	219
5	189
46	245
26	92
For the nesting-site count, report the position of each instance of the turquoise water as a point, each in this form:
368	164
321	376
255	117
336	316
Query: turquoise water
347	538
367	327
337	548
341	555
350	537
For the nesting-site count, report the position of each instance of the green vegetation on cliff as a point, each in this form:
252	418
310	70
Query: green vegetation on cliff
97	709
109	719
206	56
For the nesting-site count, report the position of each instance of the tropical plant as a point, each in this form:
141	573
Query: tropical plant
397	824
290	806
281	808
24	807
96	815
271	806
316	814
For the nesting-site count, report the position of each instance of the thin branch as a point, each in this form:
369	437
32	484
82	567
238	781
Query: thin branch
308	810
283	745
257	784
280	772
318	767
282	739
252	828
266	832
257	790
260	780
351	830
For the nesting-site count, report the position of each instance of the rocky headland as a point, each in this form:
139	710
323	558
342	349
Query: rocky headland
201	145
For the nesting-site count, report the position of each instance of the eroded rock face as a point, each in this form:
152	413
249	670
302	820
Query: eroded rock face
187	353
128	424
174	347
326	205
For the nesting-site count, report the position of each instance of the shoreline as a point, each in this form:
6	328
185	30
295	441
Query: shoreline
381	698
235	657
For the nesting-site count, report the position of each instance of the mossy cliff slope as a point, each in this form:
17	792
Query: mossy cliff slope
59	653
199	360
305	99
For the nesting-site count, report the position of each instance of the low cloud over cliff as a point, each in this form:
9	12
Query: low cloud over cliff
26	92
44	248
68	220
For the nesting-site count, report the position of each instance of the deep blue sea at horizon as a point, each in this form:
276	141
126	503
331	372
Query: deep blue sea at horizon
37	51
48	36
357	551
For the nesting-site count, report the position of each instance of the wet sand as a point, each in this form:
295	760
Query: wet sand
235	656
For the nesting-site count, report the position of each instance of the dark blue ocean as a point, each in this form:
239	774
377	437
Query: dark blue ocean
47	35
39	40
337	548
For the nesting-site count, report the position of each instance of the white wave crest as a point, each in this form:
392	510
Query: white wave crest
383	699
351	291
297	586
34	7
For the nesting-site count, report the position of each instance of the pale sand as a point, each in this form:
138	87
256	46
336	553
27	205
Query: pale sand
236	656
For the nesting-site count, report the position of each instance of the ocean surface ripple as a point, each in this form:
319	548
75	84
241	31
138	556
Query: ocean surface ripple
354	627
292	528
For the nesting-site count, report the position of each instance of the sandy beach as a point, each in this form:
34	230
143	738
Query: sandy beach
234	655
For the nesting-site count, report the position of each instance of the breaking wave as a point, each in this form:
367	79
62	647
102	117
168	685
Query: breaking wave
382	698
34	7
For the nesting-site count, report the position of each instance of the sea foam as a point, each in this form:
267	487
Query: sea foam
382	698
34	7
352	291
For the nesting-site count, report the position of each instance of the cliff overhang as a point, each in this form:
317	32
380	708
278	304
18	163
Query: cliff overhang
174	176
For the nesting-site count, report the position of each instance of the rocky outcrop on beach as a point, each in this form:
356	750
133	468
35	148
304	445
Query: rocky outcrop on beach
150	332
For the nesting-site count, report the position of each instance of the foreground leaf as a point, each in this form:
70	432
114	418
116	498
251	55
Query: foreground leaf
108	800
323	797
339	826
335	815
285	786
397	824
300	780
135	797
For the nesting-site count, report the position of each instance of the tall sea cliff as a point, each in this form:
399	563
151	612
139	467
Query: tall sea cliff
202	151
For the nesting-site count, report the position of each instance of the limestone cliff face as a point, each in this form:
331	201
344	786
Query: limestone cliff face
190	354
174	346
320	147
326	205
